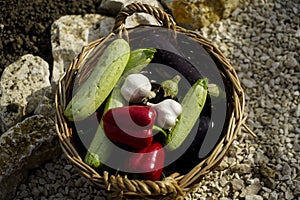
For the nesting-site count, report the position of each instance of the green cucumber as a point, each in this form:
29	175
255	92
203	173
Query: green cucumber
93	92
99	150
192	105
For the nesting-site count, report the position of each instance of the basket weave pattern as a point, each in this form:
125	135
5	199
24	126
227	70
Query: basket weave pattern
176	184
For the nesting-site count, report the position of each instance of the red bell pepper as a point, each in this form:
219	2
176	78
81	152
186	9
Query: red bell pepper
148	161
137	139
131	117
130	125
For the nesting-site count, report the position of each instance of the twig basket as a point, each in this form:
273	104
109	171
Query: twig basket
175	185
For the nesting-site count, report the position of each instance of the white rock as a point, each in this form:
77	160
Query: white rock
253	197
286	169
22	85
39	143
237	184
251	190
46	104
106	25
290	61
69	34
297	112
114	6
111	7
248	83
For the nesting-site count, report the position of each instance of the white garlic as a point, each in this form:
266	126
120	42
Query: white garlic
136	88
167	112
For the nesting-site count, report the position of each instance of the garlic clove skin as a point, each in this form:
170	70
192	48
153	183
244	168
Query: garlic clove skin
166	121
136	87
167	112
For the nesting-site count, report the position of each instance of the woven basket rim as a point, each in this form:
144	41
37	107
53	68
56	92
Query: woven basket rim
175	184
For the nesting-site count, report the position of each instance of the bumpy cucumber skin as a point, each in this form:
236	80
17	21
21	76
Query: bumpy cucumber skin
192	105
92	93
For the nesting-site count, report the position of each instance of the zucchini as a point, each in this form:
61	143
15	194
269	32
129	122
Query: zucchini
99	150
93	92
192	105
138	60
101	147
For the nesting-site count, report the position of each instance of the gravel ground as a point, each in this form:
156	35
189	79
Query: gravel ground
262	41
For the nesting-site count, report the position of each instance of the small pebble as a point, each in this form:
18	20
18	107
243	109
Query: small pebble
253	197
286	169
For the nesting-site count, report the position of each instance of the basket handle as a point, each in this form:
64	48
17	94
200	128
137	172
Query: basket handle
161	16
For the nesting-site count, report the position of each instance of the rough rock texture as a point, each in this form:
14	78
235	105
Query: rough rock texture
68	35
25	26
200	13
25	146
71	33
22	86
112	7
46	105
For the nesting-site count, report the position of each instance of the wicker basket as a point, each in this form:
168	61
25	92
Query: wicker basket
176	185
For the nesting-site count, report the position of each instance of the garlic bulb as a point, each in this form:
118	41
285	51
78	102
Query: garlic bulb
136	88
167	112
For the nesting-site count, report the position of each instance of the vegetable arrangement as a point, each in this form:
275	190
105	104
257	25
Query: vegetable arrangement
129	118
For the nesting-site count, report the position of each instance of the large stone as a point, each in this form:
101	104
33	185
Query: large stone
69	34
199	13
25	146
113	7
46	105
22	86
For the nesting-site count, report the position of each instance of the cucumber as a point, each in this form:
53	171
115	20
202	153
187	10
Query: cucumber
192	105
93	92
99	150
